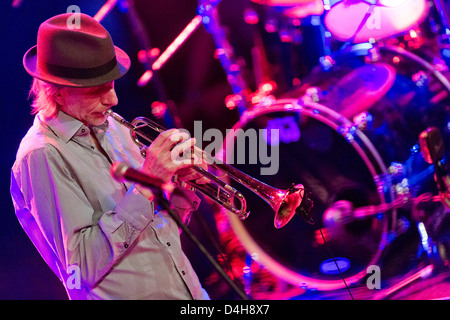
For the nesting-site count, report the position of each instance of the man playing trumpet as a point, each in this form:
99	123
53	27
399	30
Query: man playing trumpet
79	218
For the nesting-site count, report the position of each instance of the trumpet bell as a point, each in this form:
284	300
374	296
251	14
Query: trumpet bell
291	202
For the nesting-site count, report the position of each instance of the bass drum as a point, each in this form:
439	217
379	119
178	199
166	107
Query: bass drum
335	161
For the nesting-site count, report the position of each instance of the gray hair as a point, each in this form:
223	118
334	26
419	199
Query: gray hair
43	94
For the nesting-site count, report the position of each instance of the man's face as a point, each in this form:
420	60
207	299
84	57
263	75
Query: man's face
88	105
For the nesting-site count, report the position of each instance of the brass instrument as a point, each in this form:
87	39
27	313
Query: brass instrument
285	203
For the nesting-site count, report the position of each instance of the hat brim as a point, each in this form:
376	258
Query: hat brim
122	67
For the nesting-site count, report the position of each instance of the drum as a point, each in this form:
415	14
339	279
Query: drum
397	93
335	161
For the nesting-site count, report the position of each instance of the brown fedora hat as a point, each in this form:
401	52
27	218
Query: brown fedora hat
75	57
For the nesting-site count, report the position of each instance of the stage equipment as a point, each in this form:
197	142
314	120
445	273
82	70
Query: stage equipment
337	162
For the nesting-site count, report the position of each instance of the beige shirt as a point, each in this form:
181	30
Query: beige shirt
102	238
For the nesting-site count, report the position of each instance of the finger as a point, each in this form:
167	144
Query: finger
181	154
202	180
162	138
179	136
190	174
176	138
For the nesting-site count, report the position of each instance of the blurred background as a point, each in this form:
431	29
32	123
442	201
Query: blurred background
339	57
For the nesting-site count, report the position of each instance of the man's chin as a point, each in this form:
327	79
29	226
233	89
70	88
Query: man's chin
97	120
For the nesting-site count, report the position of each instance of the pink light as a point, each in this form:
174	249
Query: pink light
232	100
104	10
145	78
271	26
250	16
285	36
153	52
296	22
256	99
179	40
234	67
343	19
218	52
296	82
142	56
158	109
268	87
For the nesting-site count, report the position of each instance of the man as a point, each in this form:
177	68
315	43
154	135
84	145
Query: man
102	238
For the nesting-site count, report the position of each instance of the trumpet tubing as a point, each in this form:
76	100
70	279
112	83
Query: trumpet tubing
285	203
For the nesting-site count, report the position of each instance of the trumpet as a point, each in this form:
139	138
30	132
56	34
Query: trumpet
285	203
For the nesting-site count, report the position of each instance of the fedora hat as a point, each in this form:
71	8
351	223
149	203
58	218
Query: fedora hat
75	57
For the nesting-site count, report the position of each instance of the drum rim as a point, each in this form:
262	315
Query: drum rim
316	111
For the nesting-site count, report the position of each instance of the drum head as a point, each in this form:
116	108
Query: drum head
334	162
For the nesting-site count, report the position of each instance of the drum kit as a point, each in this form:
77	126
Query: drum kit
365	128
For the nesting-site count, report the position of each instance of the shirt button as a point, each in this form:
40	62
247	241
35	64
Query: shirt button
125	245
83	130
168	244
183	273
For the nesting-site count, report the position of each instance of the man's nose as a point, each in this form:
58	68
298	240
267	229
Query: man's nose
110	97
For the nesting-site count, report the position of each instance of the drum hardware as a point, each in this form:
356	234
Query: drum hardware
443	13
422	273
342	212
363	121
305	111
313	94
424	76
224	51
395	182
326	62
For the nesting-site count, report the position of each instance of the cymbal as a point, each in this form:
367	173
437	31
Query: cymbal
361	88
386	19
281	3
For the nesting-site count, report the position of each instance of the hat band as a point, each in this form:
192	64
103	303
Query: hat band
81	73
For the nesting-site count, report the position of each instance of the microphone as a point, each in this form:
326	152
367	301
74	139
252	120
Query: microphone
121	171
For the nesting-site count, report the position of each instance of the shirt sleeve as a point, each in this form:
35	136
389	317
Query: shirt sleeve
48	198
184	202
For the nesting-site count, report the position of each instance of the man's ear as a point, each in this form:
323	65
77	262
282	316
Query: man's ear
58	96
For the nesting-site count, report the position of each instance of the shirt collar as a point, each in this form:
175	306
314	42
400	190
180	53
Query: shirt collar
66	126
